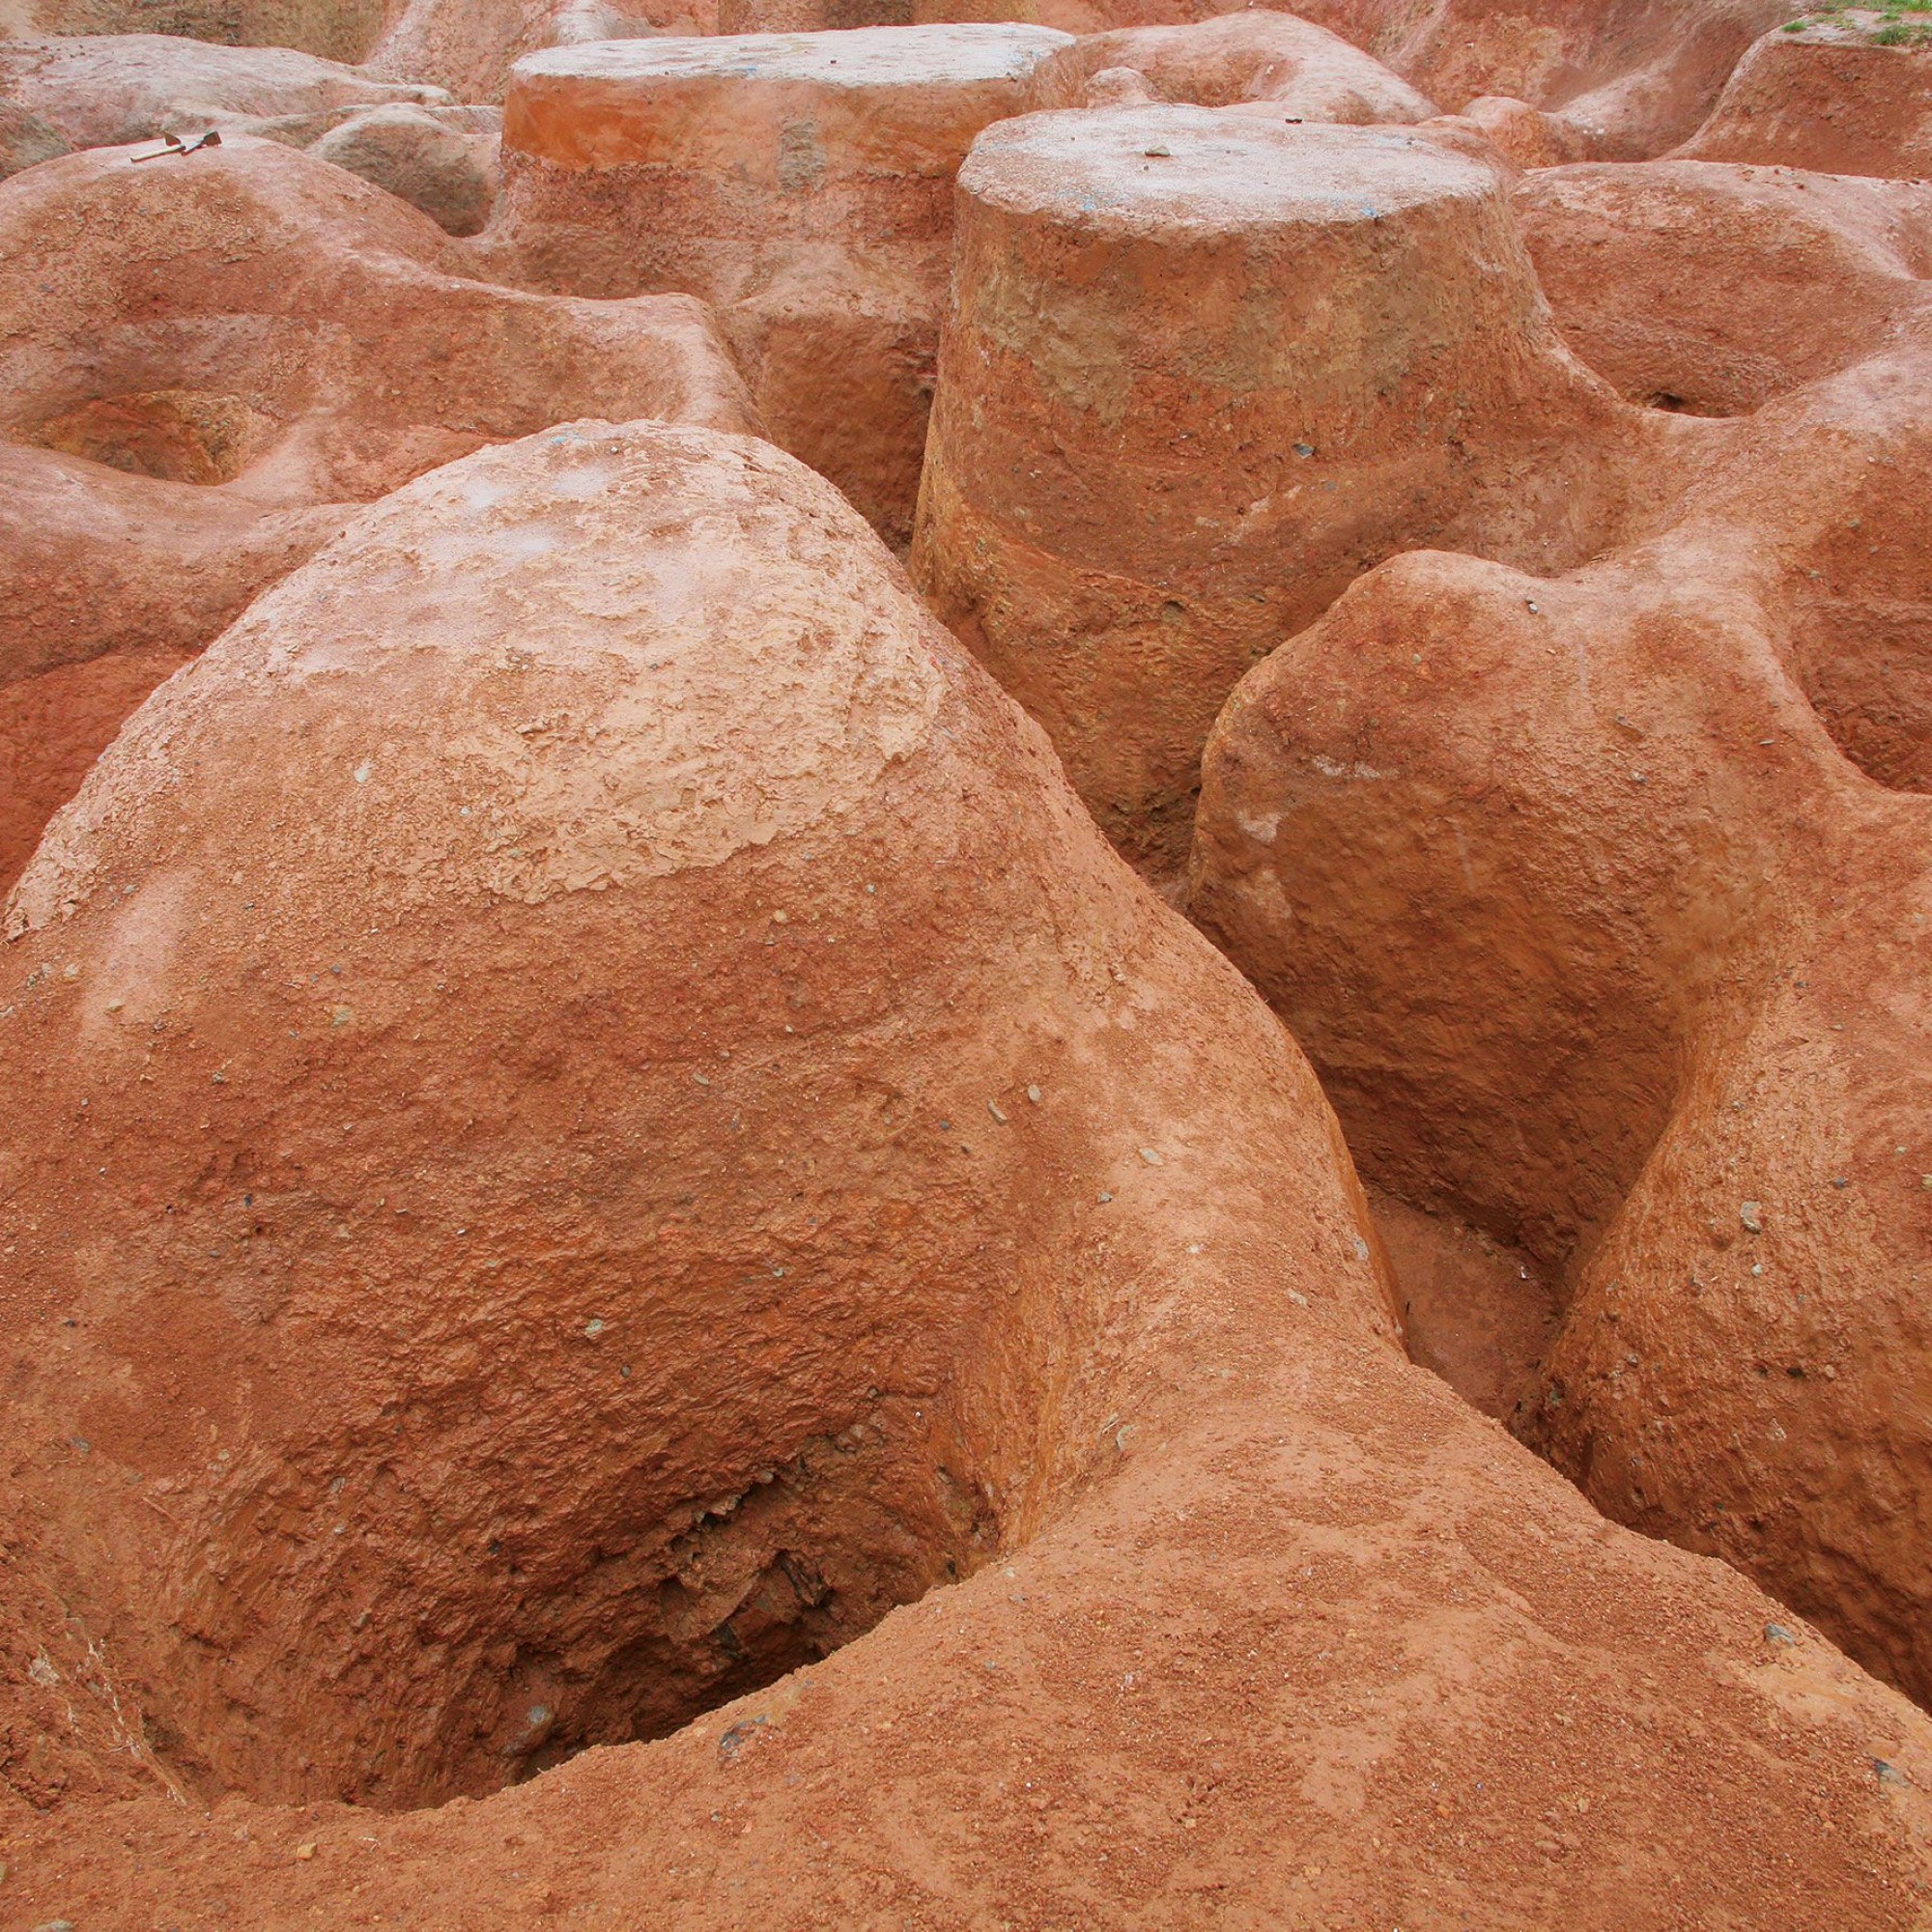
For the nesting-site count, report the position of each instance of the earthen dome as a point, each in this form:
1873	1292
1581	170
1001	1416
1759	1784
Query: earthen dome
181	416
718	982
802	184
1200	370
1637	985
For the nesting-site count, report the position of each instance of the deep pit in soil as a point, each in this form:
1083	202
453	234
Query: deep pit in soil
547	1648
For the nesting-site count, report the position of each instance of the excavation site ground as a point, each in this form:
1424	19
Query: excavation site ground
965	968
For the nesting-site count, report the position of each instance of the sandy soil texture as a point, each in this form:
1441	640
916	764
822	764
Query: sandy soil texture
964	966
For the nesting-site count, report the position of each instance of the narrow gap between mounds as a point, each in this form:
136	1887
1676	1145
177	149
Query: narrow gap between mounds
1475	1312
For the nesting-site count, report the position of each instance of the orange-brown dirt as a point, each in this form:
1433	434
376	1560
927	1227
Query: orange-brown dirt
1832	98
1473	1310
99	91
1255	55
1708	287
285	337
1200	369
317	339
443	160
1598	900
336	30
644	1286
567	1262
471	45
1629	77
106	90
801	182
108	582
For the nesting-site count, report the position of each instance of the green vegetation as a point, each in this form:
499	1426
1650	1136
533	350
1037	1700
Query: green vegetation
1887	24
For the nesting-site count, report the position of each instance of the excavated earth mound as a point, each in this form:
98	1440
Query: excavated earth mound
615	1150
108	582
471	46
333	30
1627	78
1708	287
284	338
1634	76
466	46
444	160
1599	904
1202	368
100	90
799	182
316	338
1831	98
104	91
1259	55
643	1285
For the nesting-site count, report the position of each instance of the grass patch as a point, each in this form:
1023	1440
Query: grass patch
1886	24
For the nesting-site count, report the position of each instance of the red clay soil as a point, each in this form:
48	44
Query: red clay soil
1521	135
643	1285
465	46
329	325
103	91
98	90
801	183
1599	936
1632	77
1829	98
471	45
443	160
334	30
286	337
1252	55
1202	369
1473	1310
1708	287
108	582
639	1140
1638	74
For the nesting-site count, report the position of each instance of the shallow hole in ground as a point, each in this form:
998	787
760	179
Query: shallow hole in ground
1851	611
1685	403
174	435
1865	664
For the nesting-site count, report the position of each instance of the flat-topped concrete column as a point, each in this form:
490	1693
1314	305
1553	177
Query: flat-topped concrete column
1202	369
799	182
